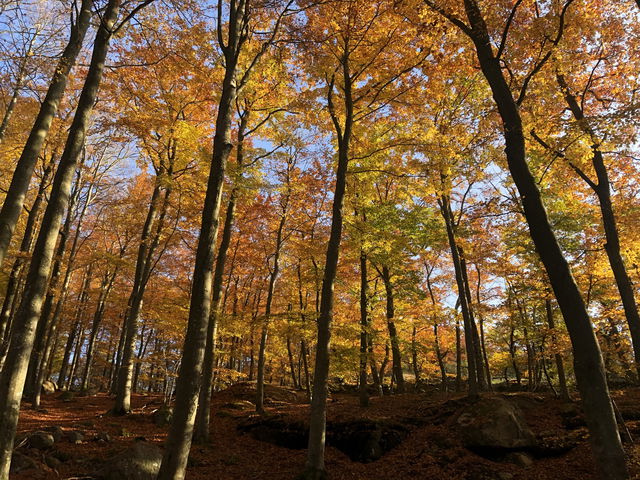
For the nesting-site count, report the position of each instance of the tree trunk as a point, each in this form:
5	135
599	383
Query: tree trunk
188	384
588	364
396	356
602	190
271	290
469	342
16	194
314	468
364	329
562	380
15	370
201	433
13	282
149	239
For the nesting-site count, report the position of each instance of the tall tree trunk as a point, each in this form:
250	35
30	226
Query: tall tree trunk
201	433
275	270
562	379
364	329
396	356
588	364
13	282
469	342
188	384
15	369
602	189
47	323
149	240
314	468
16	194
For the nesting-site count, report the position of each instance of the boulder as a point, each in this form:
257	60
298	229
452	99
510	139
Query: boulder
162	416
239	405
140	462
56	431
494	423
20	462
49	387
75	437
41	440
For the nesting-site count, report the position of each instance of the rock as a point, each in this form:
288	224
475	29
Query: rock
52	462
41	440
494	423
239	405
140	462
505	476
103	437
123	432
49	387
75	437
521	459
365	440
20	462
162	416
56	431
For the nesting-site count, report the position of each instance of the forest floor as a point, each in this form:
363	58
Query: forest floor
432	448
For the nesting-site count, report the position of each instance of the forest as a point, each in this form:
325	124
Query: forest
311	239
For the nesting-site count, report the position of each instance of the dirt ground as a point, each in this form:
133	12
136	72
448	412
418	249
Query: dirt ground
432	450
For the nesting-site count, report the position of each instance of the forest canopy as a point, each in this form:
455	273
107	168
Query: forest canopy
388	196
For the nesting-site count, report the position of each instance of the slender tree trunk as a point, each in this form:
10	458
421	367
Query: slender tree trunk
472	374
149	239
588	364
15	369
364	329
562	379
188	384
13	283
602	190
396	356
16	194
201	433
49	316
275	270
314	468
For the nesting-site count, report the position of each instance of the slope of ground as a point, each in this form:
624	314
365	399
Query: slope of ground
432	448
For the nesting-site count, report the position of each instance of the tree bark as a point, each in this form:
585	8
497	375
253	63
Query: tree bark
201	433
15	370
588	364
396	356
16	194
188	384
469	342
602	189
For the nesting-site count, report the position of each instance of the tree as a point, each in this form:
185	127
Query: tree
589	367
